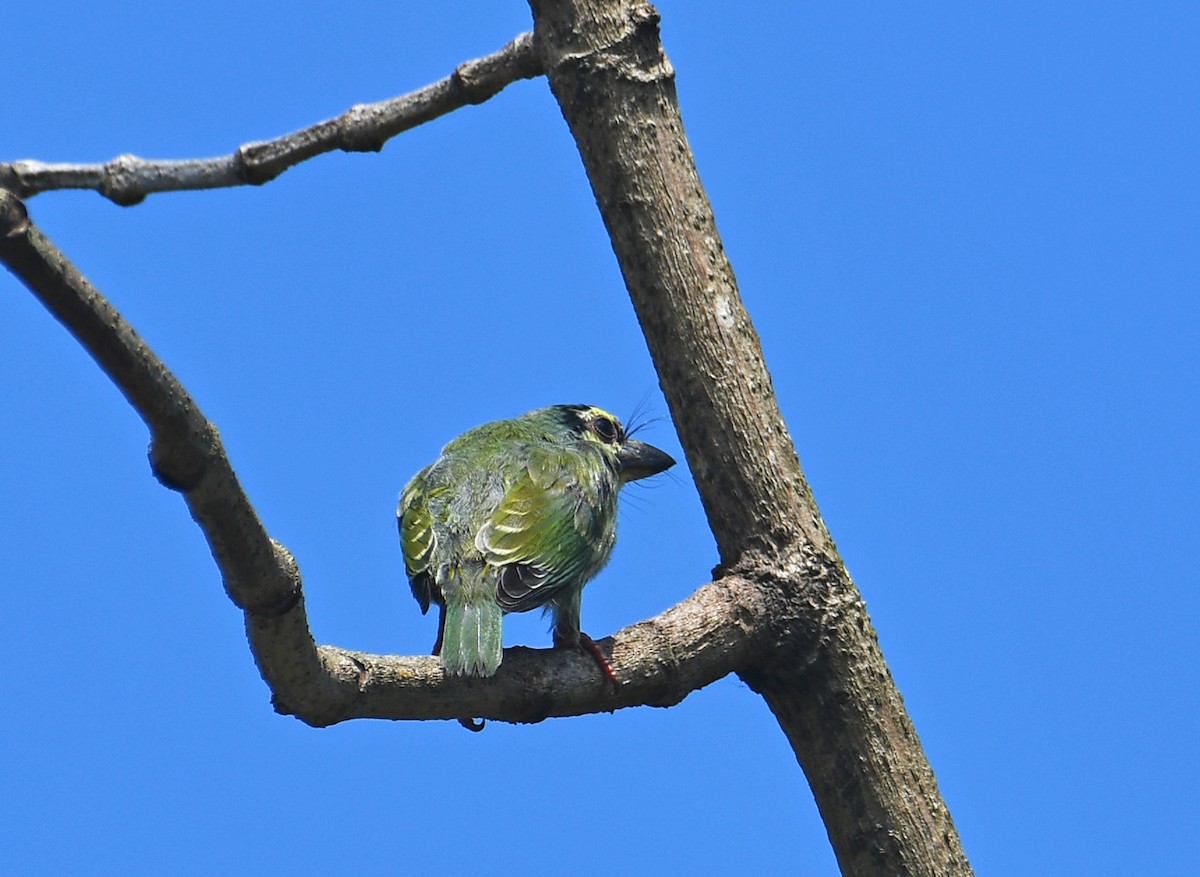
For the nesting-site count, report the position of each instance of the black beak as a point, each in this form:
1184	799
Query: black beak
640	460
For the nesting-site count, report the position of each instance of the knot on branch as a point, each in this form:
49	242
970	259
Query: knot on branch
180	456
482	78
14	216
645	15
361	129
260	162
121	180
280	596
805	592
629	47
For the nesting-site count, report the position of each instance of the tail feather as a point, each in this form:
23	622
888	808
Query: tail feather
472	644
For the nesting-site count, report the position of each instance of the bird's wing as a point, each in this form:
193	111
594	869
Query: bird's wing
417	540
543	534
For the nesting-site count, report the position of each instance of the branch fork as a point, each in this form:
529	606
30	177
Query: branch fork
782	612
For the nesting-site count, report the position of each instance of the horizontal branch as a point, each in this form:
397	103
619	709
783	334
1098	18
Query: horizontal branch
712	633
659	662
127	179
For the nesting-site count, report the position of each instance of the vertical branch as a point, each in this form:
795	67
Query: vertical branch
822	672
617	92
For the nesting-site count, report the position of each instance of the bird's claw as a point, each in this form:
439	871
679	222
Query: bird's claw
587	644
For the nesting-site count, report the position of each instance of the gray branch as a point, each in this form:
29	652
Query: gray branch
783	612
821	672
658	661
127	179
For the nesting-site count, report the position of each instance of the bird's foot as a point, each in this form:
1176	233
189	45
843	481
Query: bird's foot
588	645
437	646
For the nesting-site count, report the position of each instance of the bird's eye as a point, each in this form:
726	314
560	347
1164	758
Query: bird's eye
605	429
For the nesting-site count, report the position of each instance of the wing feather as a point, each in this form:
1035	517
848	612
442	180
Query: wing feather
545	534
418	541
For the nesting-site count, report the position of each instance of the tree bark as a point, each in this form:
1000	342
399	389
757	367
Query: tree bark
782	612
659	661
823	675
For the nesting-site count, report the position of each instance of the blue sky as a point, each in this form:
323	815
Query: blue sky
968	238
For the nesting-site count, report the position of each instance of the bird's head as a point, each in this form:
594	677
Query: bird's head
633	459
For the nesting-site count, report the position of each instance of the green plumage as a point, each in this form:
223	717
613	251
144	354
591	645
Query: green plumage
516	515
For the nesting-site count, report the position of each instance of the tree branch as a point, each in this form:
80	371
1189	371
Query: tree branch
823	674
127	179
783	613
616	89
658	661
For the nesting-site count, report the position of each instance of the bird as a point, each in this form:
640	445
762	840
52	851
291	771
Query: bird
516	515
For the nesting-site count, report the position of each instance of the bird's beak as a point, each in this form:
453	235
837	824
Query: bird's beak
640	460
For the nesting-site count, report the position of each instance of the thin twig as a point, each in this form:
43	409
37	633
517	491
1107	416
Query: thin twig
127	179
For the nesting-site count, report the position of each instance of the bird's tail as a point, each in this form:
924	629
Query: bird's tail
472	643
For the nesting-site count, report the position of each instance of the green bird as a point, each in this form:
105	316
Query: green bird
516	515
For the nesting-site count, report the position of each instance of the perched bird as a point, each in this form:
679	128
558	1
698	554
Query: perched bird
515	515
